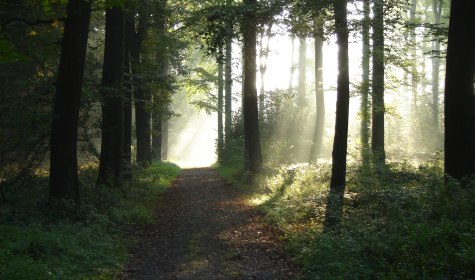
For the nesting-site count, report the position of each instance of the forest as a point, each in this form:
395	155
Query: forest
237	139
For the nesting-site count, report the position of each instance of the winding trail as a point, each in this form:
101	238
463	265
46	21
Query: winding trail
205	230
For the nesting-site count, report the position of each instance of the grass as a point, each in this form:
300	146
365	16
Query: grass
406	223
60	240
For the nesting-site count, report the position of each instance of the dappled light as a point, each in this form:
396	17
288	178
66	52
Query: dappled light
251	139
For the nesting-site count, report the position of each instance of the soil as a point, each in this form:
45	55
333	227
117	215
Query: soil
206	230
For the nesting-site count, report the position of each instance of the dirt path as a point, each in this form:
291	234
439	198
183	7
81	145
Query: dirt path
204	230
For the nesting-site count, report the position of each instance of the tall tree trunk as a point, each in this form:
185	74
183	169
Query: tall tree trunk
413	54
377	140
63	159
459	91
141	94
437	12
302	72
156	137
111	164
334	210
228	83
317	142
128	88
220	147
253	157
263	55
292	64
159	122
365	115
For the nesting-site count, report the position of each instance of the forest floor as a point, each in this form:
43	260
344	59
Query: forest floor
205	230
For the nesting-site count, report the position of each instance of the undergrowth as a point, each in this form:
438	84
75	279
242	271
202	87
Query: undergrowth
406	222
61	240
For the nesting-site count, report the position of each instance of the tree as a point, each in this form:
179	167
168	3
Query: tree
302	81
128	95
220	147
139	20
377	135
228	80
437	12
63	159
159	117
340	142
365	84
459	91
111	164
317	142
253	156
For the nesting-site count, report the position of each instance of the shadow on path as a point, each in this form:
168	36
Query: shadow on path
204	230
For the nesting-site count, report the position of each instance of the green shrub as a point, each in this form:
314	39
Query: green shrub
43	239
403	223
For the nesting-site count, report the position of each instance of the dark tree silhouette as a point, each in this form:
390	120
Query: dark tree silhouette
142	114
253	156
128	97
459	91
111	164
317	142
63	160
340	144
365	115
377	135
220	147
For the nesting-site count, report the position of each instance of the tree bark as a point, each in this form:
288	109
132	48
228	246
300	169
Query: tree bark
263	55
437	12
377	140
292	64
365	115
128	88
63	159
160	115
253	157
141	94
111	164
220	146
459	91
302	89
317	142
228	83
334	210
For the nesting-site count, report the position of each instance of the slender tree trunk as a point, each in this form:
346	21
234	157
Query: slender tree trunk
157	137
292	64
159	123
317	142
302	72
228	83
263	55
365	115
127	150
111	164
459	91
413	54
377	140
437	12
334	210
141	94
220	105
253	157
63	159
